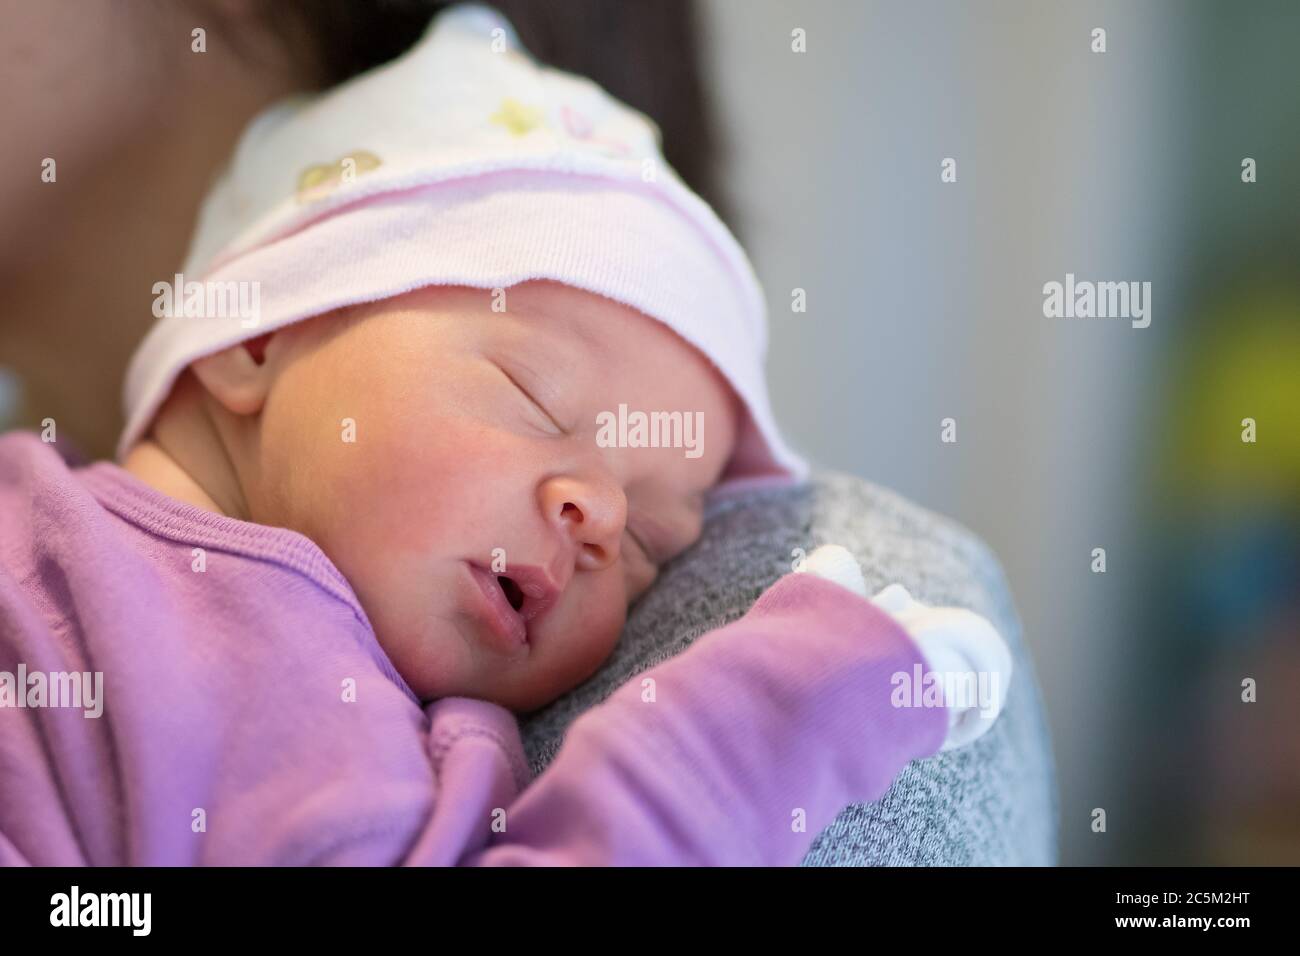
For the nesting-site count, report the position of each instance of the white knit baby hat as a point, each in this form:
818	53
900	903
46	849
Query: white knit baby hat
463	162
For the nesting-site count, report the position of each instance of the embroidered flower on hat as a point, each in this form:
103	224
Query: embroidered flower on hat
516	117
318	181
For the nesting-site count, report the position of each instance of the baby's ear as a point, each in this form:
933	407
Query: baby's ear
239	377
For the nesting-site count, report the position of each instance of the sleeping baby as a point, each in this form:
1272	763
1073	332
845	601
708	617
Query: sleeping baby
453	367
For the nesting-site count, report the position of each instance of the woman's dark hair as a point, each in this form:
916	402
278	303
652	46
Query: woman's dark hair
642	51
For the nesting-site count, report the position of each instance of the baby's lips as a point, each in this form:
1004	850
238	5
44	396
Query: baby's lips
539	590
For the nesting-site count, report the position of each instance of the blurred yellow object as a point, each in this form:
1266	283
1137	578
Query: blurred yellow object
1244	363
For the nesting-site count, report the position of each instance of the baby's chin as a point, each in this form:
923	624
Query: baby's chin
451	661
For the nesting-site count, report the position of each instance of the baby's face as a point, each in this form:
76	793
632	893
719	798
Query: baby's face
476	459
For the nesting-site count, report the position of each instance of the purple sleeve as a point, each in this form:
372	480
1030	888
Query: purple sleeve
738	751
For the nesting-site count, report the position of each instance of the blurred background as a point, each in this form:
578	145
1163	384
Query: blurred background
924	301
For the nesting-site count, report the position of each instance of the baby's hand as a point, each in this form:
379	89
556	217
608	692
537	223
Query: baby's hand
957	645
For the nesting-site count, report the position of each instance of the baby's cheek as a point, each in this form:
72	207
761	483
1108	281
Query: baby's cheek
413	604
638	580
407	489
593	620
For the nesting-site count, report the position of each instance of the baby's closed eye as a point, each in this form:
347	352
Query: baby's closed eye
528	394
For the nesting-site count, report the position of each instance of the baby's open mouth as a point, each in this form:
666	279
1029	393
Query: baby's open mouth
515	600
528	589
514	594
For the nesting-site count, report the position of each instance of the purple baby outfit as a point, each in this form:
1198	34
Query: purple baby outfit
250	716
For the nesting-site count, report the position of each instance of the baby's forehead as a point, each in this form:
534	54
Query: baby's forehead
633	357
601	328
587	320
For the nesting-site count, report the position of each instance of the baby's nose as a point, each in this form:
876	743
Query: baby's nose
591	513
